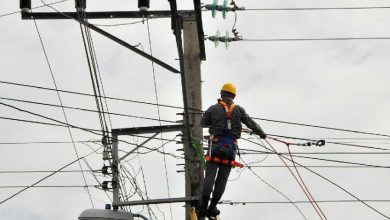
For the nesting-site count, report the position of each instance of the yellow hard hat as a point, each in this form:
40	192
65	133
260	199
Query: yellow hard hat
229	87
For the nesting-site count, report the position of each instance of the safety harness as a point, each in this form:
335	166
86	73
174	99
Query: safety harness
225	145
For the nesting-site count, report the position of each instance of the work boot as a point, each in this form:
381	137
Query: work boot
213	211
202	208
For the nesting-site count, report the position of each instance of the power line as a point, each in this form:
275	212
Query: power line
86	94
336	143
322	127
227	202
46	177
315	166
318	153
44	171
41	6
296	154
170	121
46	142
200	111
159	116
53	186
300	182
176	107
313	39
275	189
242	151
333	183
34	122
62	124
63	110
315	8
122	24
340	161
84	109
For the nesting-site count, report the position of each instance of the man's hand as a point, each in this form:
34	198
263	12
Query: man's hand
263	135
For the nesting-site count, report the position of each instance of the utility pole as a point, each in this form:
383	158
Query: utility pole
190	21
192	60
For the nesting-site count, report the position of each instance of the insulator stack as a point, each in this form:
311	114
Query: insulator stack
25	5
81	4
143	5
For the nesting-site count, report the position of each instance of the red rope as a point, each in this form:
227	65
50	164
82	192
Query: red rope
302	185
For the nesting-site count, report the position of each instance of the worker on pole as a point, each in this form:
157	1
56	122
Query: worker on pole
224	122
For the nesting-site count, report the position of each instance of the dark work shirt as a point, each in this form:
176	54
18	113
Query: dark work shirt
215	119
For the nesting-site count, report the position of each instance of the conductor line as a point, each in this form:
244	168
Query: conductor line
330	181
315	39
199	111
63	109
300	182
159	116
84	109
315	8
46	177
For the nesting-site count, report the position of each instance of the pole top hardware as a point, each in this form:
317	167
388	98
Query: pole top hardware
224	8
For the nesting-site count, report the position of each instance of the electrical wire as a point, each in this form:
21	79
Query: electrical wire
52	186
332	142
333	183
159	117
86	110
61	124
274	188
316	166
200	111
227	202
301	184
86	94
313	39
63	110
44	142
41	6
42	171
315	8
322	127
121	24
46	177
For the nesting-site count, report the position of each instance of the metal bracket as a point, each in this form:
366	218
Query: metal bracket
157	201
138	146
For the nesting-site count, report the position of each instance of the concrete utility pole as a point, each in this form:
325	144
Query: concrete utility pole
193	168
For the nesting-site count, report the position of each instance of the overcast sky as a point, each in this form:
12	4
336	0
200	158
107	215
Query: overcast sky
342	84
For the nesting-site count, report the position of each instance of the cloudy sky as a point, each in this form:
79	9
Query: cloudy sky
340	84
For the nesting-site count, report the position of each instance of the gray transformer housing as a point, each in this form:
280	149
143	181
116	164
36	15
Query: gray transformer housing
105	214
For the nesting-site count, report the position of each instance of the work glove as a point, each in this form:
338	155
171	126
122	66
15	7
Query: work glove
262	134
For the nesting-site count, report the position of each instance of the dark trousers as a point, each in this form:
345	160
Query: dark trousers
218	174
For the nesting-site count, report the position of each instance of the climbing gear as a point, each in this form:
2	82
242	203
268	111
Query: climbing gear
229	87
228	109
222	148
232	163
198	150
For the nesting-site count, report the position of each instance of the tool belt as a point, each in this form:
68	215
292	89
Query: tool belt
223	150
232	163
